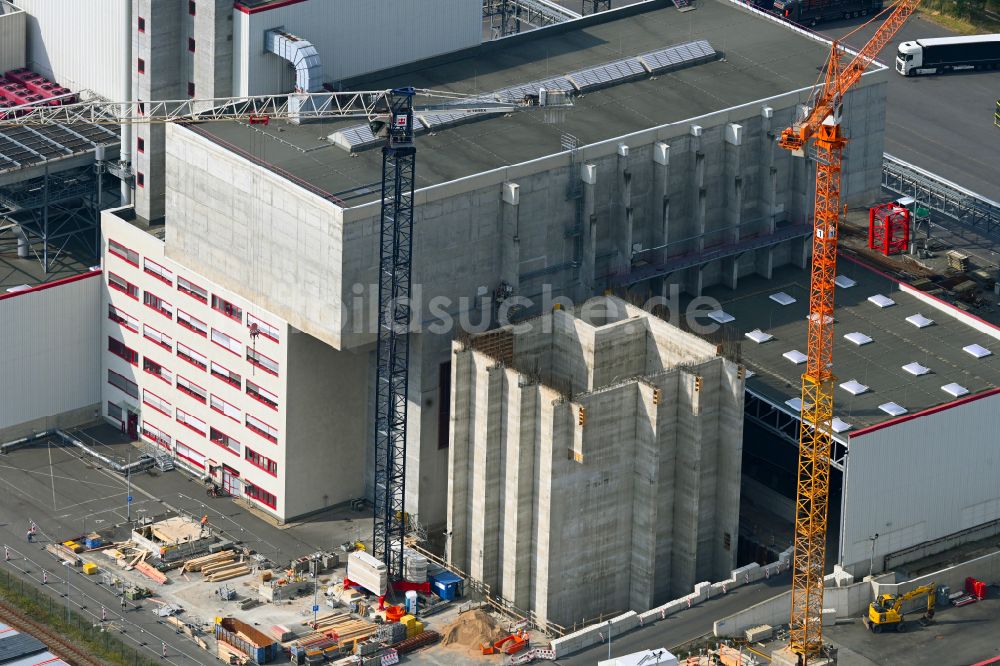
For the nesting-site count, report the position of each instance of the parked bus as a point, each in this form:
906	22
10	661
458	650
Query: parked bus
811	12
943	54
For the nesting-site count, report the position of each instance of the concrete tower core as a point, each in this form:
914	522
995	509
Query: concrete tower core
594	461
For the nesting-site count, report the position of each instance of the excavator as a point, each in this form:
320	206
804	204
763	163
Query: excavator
886	611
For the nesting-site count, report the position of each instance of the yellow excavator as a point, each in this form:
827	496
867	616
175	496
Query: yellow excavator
885	612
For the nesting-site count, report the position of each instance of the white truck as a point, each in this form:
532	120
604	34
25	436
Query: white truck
944	54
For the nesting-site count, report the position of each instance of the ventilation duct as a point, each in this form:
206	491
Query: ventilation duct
302	54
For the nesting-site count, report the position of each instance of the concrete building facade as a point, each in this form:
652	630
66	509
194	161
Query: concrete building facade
228	389
594	461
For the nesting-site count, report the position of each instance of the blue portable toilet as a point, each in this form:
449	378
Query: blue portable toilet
446	585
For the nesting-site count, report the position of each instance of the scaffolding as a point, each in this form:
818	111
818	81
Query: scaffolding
507	17
595	6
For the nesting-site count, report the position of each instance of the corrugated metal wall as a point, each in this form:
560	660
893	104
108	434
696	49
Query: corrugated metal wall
77	43
50	360
352	37
922	479
12	37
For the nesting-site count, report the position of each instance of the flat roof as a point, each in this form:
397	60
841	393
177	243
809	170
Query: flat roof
878	364
763	59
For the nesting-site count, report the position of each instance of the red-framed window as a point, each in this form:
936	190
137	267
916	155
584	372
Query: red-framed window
224	440
140	177
154	335
187	386
140	107
140	66
158	271
140	144
119	284
157	370
256	425
120	350
191	356
119	316
155	435
227	308
115	412
192	8
191	289
260	461
227	375
185	452
190	88
191	44
156	402
154	302
223	407
192	323
123	384
119	250
262	395
265	329
190	421
228	343
254	492
263	362
141	24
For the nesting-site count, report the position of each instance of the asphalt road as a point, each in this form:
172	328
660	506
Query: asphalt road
685	626
942	122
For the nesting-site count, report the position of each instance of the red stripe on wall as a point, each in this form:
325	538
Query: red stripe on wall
49	285
263	8
926	412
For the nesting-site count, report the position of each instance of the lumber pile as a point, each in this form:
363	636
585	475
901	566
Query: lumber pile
198	563
151	572
342	626
231	570
230	655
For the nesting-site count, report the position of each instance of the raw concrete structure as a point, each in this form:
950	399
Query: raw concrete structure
594	461
656	182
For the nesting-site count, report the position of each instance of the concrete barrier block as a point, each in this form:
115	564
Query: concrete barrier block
652	615
829	616
702	590
718	589
625	622
674	606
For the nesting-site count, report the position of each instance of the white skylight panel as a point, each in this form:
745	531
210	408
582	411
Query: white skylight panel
881	301
954	390
919	321
916	369
892	409
977	350
781	298
844	282
749	373
795	356
721	317
854	387
838	425
759	336
858	338
795	403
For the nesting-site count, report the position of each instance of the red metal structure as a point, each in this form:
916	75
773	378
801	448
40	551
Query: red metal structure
888	228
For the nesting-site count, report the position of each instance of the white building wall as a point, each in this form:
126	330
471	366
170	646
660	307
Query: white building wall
921	479
77	43
50	356
12	37
150	248
352	37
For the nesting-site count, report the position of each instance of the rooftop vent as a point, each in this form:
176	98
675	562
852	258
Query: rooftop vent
302	54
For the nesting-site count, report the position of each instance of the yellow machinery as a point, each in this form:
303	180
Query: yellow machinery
886	611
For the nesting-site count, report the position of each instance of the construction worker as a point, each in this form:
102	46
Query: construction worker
204	520
31	532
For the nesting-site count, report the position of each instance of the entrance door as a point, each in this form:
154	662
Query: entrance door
231	481
132	426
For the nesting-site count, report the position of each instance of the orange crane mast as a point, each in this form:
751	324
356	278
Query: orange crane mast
821	126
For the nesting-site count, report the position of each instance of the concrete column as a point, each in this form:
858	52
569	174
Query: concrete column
698	187
482	494
768	175
661	194
588	260
644	501
624	238
764	262
687	486
510	243
518	510
695	281
731	271
734	176
801	249
458	523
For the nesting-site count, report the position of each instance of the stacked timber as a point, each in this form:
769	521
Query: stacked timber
198	563
368	572
223	572
151	572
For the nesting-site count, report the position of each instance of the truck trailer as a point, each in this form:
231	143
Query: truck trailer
944	54
811	12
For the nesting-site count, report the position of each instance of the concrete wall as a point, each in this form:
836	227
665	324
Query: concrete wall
919	503
13	24
51	356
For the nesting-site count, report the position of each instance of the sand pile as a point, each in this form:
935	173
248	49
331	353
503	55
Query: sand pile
470	630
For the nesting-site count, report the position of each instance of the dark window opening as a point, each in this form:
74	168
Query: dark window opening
444	404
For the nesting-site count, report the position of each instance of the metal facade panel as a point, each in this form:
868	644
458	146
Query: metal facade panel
51	351
354	37
76	43
12	36
921	479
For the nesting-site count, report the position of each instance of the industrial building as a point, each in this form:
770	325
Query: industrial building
594	461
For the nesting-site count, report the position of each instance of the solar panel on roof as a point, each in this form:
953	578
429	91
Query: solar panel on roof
602	75
675	57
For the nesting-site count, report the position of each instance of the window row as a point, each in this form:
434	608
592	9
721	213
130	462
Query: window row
224	440
119	250
257	493
123	383
155	435
119	316
262	462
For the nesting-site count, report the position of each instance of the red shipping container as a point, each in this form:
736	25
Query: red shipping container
980	590
970	585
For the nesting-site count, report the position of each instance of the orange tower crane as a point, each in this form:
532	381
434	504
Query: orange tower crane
821	126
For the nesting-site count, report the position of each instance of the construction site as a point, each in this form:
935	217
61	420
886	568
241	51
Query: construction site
581	331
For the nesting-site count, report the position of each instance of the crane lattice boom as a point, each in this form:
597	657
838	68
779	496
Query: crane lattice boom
822	126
